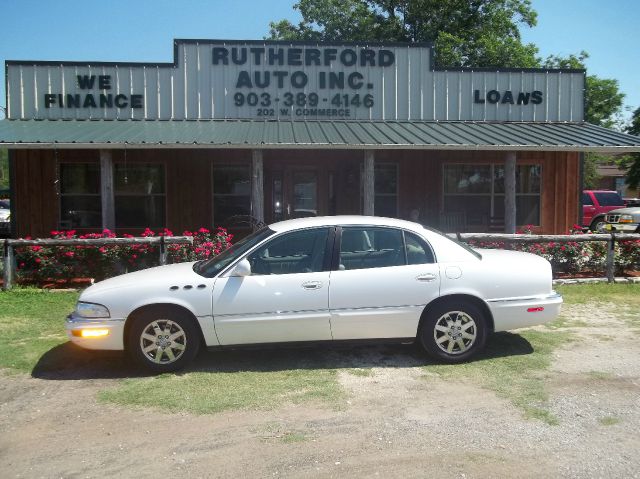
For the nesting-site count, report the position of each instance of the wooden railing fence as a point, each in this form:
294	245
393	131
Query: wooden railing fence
162	241
9	245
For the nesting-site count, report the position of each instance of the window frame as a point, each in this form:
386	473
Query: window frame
492	194
327	254
215	166
337	247
59	167
140	195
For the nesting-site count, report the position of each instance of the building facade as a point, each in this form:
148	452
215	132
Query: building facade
277	130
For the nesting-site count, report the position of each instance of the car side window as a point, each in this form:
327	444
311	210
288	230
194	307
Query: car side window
362	248
418	252
297	252
586	199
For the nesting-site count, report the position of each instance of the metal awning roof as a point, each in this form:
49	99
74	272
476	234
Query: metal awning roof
314	134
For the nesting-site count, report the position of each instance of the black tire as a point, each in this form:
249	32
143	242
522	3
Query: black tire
597	225
171	340
451	318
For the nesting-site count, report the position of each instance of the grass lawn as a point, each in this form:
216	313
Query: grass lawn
515	366
626	294
216	390
31	323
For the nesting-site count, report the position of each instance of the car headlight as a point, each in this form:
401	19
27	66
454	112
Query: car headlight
91	310
625	219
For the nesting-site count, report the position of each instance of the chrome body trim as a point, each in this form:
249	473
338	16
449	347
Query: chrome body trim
544	297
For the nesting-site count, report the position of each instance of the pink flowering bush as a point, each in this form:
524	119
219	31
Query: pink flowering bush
39	263
575	257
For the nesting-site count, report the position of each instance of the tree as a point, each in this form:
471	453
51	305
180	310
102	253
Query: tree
602	95
4	169
464	32
474	33
603	101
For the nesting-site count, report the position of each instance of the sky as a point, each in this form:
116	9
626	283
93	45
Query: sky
143	30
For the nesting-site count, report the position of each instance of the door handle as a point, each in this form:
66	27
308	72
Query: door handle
426	278
310	285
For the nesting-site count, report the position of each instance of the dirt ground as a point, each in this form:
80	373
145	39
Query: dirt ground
393	423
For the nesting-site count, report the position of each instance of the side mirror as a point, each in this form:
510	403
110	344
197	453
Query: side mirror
243	268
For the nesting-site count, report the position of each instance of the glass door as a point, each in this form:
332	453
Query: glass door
303	199
294	194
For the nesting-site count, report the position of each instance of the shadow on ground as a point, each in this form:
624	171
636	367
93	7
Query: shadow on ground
69	362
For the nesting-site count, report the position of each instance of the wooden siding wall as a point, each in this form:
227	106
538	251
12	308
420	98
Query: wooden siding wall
36	193
189	187
421	183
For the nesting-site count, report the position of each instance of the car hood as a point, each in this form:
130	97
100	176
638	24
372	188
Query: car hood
634	210
158	275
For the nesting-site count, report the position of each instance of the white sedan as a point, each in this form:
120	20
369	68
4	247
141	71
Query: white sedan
338	278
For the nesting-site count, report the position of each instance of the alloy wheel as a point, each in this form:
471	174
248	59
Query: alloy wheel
455	332
163	341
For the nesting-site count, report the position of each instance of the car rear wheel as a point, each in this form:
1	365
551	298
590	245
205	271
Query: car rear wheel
453	331
163	341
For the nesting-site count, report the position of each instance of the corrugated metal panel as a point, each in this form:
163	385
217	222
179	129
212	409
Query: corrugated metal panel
316	134
193	87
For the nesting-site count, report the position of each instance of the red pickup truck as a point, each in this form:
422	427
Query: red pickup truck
596	204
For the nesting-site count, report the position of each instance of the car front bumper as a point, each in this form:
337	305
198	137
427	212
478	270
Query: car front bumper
113	340
514	313
621	227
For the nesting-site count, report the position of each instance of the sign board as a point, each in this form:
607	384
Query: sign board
215	79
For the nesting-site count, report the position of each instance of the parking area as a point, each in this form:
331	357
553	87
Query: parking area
557	400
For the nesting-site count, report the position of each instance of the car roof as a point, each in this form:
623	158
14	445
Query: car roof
354	220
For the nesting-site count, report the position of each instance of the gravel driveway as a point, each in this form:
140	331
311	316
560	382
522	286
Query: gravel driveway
396	420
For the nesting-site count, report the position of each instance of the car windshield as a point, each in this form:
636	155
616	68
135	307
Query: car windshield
609	199
4	204
211	267
464	246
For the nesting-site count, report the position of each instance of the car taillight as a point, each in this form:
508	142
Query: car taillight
537	309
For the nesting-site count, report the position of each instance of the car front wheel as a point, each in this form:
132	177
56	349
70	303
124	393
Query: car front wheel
597	226
453	331
163	341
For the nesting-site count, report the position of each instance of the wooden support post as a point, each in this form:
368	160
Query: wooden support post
9	266
257	186
106	190
510	193
611	251
368	183
163	251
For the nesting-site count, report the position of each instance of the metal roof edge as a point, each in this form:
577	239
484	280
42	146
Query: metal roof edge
335	146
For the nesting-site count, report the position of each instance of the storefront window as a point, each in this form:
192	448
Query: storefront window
140	198
386	190
231	192
478	191
80	203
